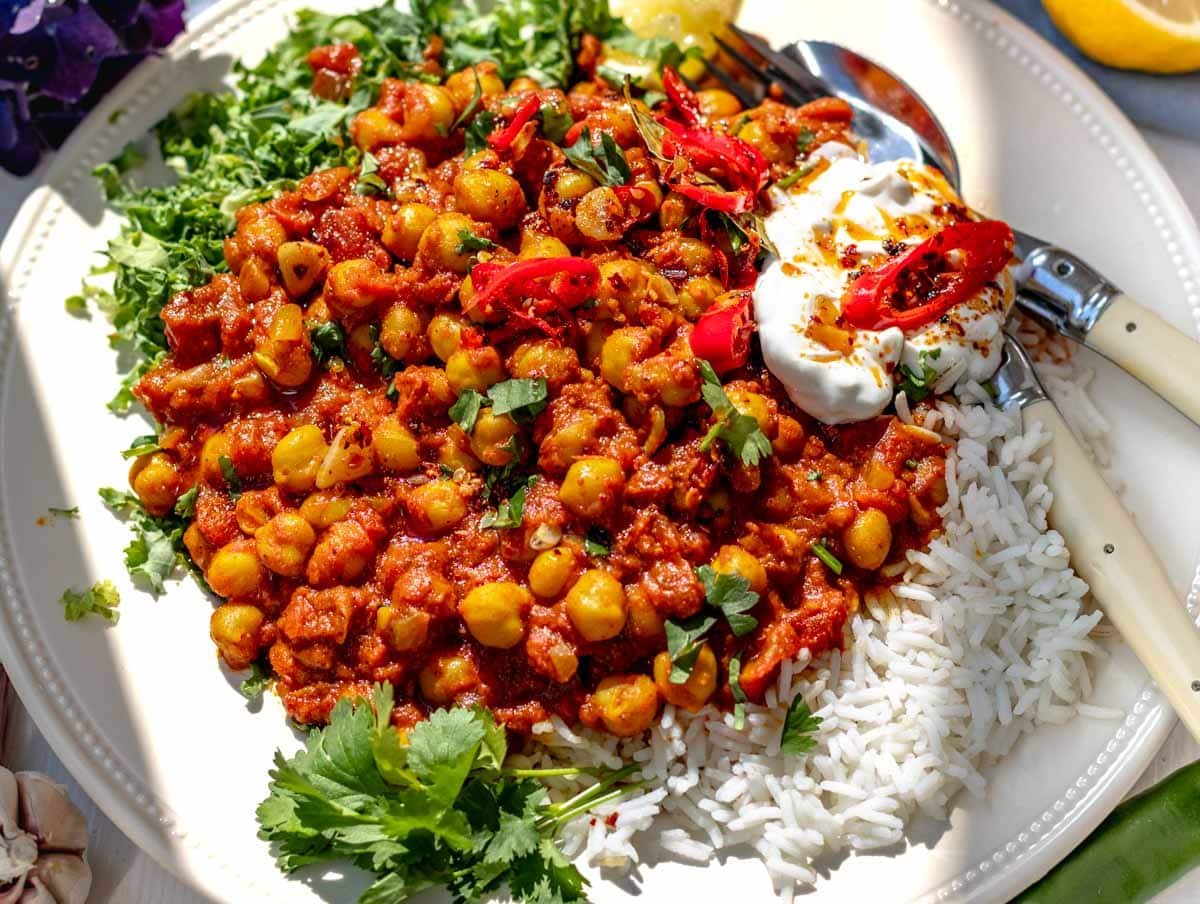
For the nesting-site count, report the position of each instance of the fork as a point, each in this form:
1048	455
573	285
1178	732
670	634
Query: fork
1107	550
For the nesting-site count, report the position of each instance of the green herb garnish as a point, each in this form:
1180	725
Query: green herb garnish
233	480
511	511
258	681
524	399
102	599
157	544
740	432
684	640
465	411
71	514
917	386
328	341
369	181
556	122
731	594
814	476
739	694
832	562
604	162
795	176
798	727
470	243
597	542
804	140
478	131
142	445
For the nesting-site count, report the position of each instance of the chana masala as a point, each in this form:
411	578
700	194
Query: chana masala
483	418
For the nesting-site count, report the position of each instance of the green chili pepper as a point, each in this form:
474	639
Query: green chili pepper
1144	845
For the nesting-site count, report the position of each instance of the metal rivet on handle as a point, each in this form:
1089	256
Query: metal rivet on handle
1109	548
1130	327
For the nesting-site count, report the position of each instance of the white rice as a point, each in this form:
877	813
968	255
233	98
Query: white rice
985	638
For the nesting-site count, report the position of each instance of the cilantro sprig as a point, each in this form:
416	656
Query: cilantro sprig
101	599
438	811
523	399
604	162
740	432
157	545
918	386
799	725
728	593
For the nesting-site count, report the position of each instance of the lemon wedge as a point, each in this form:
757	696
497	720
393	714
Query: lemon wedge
1152	35
689	23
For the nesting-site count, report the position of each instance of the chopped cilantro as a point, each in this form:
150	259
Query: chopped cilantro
387	366
369	181
597	542
814	476
731	594
142	445
439	810
232	479
832	562
328	340
511	511
605	163
911	464
804	140
477	132
740	432
684	640
102	599
798	727
258	681
470	243
556	121
524	398
739	694
69	513
472	106
185	505
917	386
157	544
465	411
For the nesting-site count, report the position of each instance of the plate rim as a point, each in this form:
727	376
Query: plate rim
150	824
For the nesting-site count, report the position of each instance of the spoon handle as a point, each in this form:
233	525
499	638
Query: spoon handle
1142	343
1127	580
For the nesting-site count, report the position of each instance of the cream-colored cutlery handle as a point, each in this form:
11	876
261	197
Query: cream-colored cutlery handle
1127	580
1152	350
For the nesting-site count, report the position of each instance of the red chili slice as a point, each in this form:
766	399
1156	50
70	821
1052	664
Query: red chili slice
882	297
730	202
564	282
744	163
722	334
682	97
502	139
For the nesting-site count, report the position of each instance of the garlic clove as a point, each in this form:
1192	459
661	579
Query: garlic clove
66	877
48	814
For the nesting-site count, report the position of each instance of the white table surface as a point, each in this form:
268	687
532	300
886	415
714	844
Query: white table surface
125	875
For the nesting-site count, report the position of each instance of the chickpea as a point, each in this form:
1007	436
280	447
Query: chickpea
700	685
716	102
556	363
868	539
789	436
561	448
593	485
155	478
674	212
196	545
216	447
285	356
284	543
644	621
697	295
490	197
255	508
236	630
670	377
403	230
402	334
341	555
697	257
600	215
521	84
234	570
354	285
437	505
258	232
253	281
447	675
454	452
462	84
534	244
302	265
754	133
402	629
323	508
445	334
395	447
570	184
625	347
428	111
474	368
732	559
372	128
495	613
492	436
596	605
439	244
626	704
297	458
551	570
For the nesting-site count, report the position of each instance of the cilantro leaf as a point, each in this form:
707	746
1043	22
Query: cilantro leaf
731	594
69	513
523	398
684	640
917	386
740	432
470	243
465	411
259	680
798	727
232	479
739	693
102	599
142	445
556	121
369	181
597	542
477	132
157	544
832	562
511	511
328	340
804	140
605	162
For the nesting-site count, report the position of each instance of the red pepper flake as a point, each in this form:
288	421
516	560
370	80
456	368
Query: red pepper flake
611	820
919	286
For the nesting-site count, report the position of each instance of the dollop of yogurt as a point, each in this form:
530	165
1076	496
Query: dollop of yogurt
846	215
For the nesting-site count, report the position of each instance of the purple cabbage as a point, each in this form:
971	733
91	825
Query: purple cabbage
57	60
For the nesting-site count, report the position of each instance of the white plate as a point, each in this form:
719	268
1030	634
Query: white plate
160	737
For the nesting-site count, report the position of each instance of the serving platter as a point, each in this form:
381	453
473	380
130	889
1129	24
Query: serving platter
159	736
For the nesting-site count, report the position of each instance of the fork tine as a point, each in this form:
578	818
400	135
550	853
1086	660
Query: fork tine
788	68
744	61
793	92
745	95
